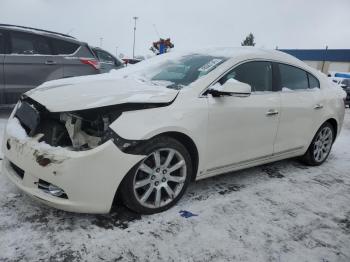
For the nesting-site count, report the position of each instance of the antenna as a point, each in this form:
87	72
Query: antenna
70	31
155	29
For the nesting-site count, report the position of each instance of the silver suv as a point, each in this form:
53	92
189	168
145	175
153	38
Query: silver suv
29	57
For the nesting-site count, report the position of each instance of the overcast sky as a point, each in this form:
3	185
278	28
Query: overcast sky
189	23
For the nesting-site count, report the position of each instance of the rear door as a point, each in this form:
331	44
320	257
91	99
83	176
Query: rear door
76	58
29	63
301	107
2	57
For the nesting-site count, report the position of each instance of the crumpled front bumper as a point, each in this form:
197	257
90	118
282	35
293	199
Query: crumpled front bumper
89	178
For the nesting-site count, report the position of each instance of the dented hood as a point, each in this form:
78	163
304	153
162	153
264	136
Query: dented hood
85	93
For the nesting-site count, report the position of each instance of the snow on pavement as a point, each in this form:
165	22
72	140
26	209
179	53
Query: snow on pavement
277	212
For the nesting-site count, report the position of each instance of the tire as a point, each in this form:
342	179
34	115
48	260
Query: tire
147	181
311	157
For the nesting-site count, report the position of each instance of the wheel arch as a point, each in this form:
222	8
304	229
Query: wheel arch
334	124
187	142
190	146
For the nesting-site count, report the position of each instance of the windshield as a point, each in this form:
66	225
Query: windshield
346	82
178	72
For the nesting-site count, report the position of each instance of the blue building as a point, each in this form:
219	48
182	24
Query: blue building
325	60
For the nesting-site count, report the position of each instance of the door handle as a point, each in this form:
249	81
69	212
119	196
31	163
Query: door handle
50	62
272	112
318	106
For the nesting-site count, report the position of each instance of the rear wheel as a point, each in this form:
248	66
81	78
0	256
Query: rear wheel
320	146
159	181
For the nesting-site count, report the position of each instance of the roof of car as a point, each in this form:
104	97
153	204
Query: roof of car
38	31
249	53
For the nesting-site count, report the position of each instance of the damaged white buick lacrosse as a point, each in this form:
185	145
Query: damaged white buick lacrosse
143	133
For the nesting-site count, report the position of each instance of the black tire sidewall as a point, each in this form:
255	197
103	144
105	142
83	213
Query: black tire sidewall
310	158
127	194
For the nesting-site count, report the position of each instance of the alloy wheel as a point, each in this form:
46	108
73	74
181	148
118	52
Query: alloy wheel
323	144
160	178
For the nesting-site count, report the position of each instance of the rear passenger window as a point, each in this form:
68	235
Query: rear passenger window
257	74
293	78
313	82
62	47
29	44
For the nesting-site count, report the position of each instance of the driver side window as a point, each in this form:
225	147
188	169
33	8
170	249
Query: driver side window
257	74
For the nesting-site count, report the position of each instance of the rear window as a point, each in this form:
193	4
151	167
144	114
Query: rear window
61	47
104	57
29	44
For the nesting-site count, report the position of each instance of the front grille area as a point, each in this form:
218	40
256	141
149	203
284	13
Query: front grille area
18	170
35	119
77	130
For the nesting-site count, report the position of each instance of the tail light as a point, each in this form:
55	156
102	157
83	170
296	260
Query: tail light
91	62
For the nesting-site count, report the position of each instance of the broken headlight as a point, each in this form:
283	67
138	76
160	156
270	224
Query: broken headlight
87	131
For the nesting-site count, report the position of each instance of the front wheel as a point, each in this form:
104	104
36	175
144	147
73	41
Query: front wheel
320	146
160	179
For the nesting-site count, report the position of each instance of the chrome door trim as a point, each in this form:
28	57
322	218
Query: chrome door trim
250	161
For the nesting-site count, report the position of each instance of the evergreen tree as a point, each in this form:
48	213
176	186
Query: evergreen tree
249	40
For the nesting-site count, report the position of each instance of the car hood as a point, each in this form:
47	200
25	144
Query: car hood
72	95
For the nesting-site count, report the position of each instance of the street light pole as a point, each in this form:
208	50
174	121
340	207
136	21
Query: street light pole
133	49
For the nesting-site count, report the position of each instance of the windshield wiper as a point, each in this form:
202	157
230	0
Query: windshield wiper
175	86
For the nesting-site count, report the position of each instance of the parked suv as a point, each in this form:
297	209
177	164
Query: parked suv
29	57
107	60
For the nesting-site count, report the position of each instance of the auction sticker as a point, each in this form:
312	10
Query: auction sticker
210	65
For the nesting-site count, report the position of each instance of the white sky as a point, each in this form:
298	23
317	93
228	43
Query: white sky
189	23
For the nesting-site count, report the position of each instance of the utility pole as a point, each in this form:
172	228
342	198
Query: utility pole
324	59
133	49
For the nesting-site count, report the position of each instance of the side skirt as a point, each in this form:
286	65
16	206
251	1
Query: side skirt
252	162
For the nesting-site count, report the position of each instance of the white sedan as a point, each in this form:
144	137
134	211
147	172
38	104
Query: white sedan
143	133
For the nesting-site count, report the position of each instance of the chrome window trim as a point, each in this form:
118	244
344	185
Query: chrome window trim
201	95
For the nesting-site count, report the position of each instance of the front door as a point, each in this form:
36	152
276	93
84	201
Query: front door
243	129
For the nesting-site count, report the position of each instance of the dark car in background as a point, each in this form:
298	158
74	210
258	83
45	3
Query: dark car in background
29	57
131	61
345	84
107	60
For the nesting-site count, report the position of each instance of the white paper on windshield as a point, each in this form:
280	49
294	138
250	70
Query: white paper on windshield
210	65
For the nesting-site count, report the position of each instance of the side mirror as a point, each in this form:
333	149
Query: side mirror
231	87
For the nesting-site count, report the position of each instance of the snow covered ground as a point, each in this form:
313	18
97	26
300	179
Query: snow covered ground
278	212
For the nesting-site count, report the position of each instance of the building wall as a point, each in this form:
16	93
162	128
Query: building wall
329	66
325	60
339	67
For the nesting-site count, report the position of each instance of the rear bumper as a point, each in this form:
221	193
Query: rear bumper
89	178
